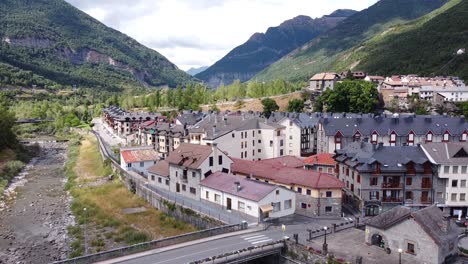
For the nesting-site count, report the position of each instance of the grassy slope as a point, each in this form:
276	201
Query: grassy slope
108	226
322	53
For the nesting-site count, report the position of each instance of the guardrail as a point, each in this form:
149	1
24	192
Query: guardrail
137	248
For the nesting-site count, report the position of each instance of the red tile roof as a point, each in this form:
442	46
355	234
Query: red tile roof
320	159
161	168
285	161
138	155
249	189
286	175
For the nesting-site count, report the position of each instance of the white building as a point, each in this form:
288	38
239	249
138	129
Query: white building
138	159
452	162
257	199
450	93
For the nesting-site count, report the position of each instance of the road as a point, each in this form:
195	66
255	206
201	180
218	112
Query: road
198	251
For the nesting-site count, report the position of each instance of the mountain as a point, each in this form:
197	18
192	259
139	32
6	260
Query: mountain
50	42
325	52
426	46
263	49
195	71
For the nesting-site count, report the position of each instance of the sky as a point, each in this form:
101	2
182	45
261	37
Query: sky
194	33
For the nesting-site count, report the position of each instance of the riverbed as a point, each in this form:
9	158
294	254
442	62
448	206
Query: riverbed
34	220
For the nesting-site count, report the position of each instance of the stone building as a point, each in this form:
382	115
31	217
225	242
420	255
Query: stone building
425	234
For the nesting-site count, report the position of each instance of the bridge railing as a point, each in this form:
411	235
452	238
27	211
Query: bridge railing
154	244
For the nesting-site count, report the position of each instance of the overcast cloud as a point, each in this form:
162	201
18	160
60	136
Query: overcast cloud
193	33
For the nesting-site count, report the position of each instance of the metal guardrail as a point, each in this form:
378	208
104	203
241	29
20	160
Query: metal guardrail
137	248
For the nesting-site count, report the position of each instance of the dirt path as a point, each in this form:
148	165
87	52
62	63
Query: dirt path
33	226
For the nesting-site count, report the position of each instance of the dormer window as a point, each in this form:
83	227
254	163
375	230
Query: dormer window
464	136
338	138
411	138
357	136
393	139
446	136
429	136
374	138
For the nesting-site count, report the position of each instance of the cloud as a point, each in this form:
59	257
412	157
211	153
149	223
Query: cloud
198	33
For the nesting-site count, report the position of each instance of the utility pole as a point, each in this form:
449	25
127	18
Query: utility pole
85	240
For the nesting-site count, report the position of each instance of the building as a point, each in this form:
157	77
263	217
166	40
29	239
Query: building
158	175
378	178
138	159
375	79
164	137
451	160
450	93
317	194
125	123
323	162
322	81
425	234
391	130
188	165
258	199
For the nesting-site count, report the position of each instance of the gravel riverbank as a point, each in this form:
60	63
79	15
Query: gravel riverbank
33	223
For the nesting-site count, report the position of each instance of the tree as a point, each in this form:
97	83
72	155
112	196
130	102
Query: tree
269	106
296	105
349	96
349	75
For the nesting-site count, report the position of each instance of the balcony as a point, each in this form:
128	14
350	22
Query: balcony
426	200
392	199
426	185
388	185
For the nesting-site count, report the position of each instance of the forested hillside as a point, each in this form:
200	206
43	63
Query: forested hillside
325	52
50	42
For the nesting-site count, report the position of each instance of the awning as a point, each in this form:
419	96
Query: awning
266	208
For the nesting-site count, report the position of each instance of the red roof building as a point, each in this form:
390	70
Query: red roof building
323	162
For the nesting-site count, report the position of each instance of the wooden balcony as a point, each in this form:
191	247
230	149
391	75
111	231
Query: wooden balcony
388	185
392	199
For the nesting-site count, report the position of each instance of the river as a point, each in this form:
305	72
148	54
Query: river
34	220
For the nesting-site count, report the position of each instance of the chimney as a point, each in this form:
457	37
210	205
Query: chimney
238	187
445	224
214	130
225	121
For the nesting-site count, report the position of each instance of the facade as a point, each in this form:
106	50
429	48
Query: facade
138	159
425	234
392	130
188	165
258	199
125	123
317	194
158	175
164	137
451	93
323	81
378	178
451	160
322	162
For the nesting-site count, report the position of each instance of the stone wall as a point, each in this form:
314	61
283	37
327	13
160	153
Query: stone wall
313	209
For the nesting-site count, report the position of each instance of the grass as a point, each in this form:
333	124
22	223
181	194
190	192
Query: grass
107	225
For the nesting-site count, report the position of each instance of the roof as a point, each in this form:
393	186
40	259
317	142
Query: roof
286	175
249	189
447	153
139	155
287	161
161	168
320	159
189	155
430	219
324	76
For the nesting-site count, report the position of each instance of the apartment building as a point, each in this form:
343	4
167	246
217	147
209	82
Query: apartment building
378	177
317	194
392	130
164	137
125	123
451	160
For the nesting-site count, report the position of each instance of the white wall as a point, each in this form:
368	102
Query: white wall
292	138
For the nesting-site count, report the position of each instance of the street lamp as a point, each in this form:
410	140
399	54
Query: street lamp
325	245
399	252
85	242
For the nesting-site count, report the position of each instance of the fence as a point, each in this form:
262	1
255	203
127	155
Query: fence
137	248
314	233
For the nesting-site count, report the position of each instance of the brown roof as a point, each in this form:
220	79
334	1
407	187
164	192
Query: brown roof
286	175
321	159
161	168
249	189
138	155
324	76
189	155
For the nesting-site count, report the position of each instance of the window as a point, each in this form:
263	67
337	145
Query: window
152	177
328	194
446	169
374	195
242	155
259	132
429	137
276	207
253	152
410	248
129	165
259	151
462	183
194	174
167	182
455	169
159	180
446	137
309	192
271	143
253	143
462	196
409	181
193	190
241	206
299	189
374	138
207	195
453	197
278	133
220	160
211	161
359	178
142	164
303	205
217	198
374	181
281	143
184	188
281	152
253	133
328	209
454	183
233	135
259	141
463	169
287	204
